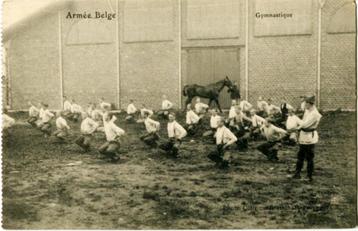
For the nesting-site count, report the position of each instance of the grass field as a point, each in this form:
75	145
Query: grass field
48	185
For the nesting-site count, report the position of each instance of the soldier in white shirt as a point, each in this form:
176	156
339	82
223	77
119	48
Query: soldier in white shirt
270	108
175	134
308	137
214	123
7	121
241	131
166	107
224	139
245	105
33	114
261	107
143	110
66	106
192	120
131	111
113	133
76	111
273	135
292	124
200	108
256	123
45	118
232	112
61	127
152	127
103	105
88	127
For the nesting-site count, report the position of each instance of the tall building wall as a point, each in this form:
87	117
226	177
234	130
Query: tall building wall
33	57
155	47
338	57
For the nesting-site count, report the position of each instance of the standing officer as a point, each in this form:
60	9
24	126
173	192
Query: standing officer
308	137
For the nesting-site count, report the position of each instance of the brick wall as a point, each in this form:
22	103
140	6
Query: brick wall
149	69
90	55
338	77
34	64
283	66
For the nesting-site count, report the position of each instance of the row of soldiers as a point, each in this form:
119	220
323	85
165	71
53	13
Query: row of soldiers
275	124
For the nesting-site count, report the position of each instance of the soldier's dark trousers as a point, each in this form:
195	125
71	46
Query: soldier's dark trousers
269	150
306	152
150	139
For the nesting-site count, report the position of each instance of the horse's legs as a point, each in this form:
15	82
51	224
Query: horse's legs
217	103
210	100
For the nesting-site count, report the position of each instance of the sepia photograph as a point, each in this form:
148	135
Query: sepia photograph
179	114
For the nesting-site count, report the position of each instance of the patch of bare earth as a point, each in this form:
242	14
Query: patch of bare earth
47	185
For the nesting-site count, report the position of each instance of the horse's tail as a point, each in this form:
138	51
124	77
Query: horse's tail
185	90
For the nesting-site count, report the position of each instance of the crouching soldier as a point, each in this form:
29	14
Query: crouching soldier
131	111
166	107
152	127
256	123
33	114
224	138
214	121
61	127
113	133
45	120
88	127
200	108
240	130
273	135
192	120
175	133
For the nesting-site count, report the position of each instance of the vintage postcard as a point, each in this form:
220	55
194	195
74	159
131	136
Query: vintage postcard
179	114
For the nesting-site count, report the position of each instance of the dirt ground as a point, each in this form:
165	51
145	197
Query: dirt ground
47	185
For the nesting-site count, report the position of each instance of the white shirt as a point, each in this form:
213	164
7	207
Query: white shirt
104	105
46	116
311	119
232	112
175	130
7	121
225	136
214	120
200	107
151	125
33	111
150	112
257	121
96	114
112	131
293	122
303	106
61	123
244	105
75	108
131	109
261	105
67	105
88	126
191	117
166	105
270	107
272	133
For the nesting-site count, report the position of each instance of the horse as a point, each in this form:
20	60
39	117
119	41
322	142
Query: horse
210	91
